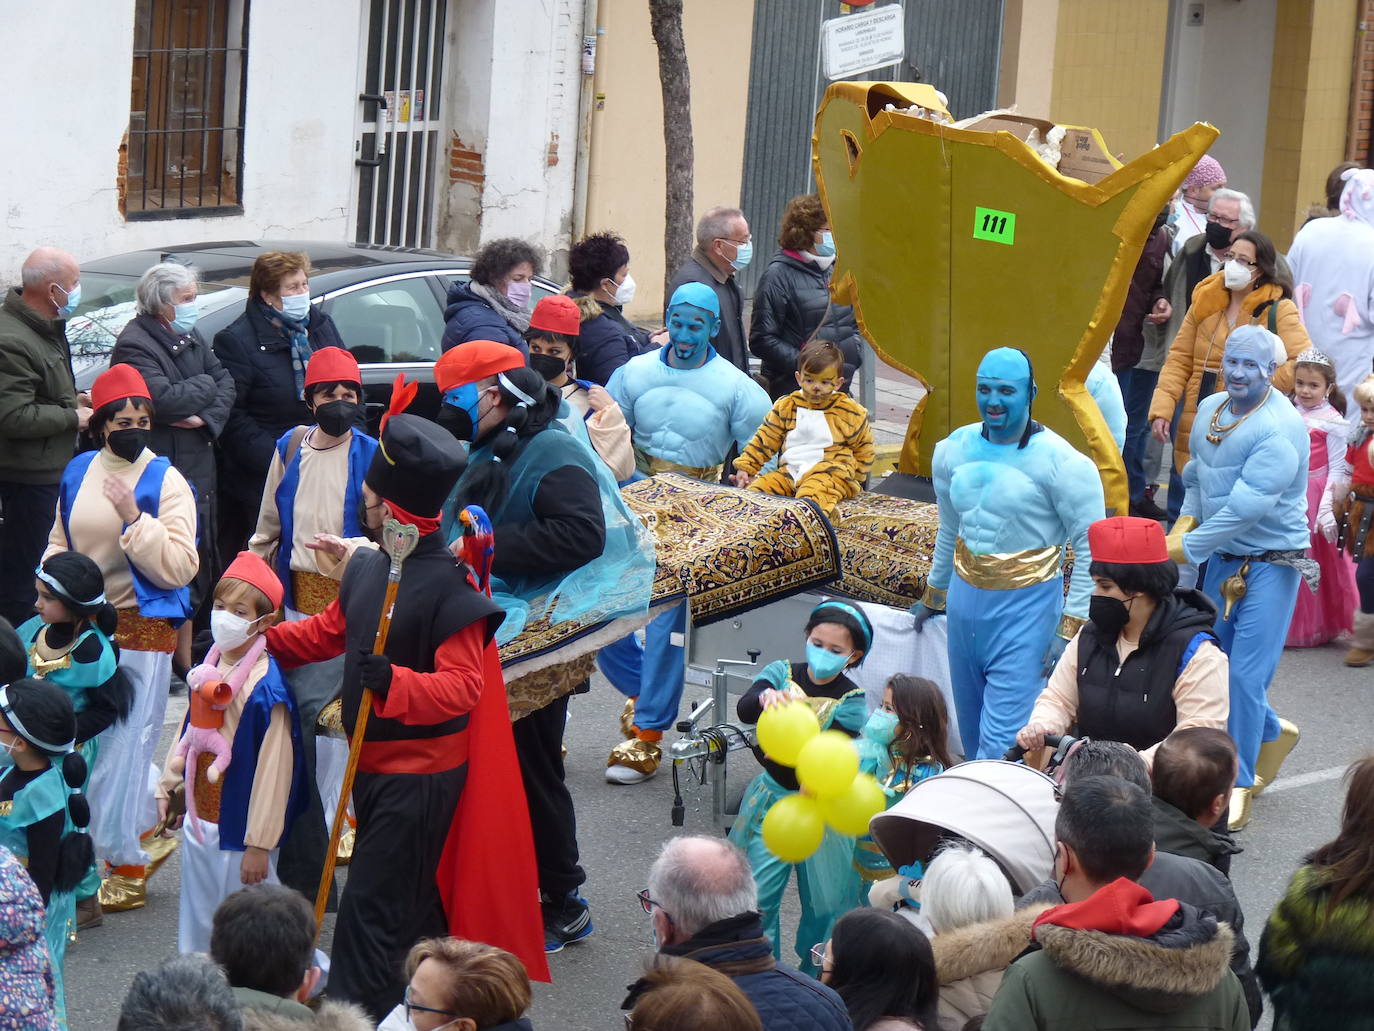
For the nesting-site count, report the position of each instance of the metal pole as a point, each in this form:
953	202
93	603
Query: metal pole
586	99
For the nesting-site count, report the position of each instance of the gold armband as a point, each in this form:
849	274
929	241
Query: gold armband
934	598
1175	539
1068	626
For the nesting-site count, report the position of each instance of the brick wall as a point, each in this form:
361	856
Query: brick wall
1358	145
465	165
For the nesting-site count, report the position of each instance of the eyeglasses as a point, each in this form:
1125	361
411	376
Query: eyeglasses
409	1006
1229	223
734	243
1242	261
818	954
648	903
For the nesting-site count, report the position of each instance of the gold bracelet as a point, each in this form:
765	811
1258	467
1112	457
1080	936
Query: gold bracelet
933	598
1069	625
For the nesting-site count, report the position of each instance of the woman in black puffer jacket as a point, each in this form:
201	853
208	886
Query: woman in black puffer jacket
792	301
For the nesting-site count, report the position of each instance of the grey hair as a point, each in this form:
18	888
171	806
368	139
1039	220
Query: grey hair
1099	758
156	287
963	886
186	993
716	225
696	890
42	267
1247	209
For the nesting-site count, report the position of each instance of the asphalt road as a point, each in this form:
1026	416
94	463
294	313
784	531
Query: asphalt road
621	829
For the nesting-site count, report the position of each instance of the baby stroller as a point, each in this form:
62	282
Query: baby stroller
1005	808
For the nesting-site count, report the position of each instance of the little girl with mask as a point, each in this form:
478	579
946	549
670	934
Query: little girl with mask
837	637
241	811
904	741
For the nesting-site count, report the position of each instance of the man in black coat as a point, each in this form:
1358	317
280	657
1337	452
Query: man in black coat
724	246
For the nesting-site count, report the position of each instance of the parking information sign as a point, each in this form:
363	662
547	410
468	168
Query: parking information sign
860	42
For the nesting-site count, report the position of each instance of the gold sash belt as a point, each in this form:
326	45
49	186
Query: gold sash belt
1006	571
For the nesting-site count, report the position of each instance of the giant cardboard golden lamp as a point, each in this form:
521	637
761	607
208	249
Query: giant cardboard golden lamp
954	240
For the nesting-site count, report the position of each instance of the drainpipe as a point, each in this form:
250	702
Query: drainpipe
590	35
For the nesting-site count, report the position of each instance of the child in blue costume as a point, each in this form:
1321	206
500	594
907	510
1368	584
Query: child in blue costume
685	406
1011	493
70	643
837	637
904	741
1245	514
43	814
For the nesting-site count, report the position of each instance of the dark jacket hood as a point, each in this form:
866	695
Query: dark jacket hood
734	946
1181	835
1187	607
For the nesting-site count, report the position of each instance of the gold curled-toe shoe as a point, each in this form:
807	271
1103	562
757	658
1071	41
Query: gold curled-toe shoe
121	892
159	849
330	721
627	719
1273	753
633	761
343	855
1239	813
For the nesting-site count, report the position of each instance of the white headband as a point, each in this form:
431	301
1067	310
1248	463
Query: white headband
18	726
64	594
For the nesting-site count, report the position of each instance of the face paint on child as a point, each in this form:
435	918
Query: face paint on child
817	386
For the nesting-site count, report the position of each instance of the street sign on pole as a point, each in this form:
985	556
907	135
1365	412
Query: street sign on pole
860	42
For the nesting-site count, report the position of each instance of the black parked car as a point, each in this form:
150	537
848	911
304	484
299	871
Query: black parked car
388	303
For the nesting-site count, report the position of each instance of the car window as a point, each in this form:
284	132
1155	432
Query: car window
396	321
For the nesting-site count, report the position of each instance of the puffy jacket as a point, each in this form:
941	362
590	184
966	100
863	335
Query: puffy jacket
37	395
791	305
607	340
1084	978
258	357
1147	287
729	342
1184	836
1315	961
970	961
1192	369
469	317
785	999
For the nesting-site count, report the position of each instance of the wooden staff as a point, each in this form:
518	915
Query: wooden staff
398	541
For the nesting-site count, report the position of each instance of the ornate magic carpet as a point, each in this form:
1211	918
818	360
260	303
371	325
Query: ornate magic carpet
886	546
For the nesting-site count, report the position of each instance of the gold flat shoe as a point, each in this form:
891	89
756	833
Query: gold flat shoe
159	850
344	854
120	893
633	761
1273	753
1241	799
627	719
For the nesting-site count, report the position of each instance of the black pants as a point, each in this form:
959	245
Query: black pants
28	510
539	746
301	859
391	899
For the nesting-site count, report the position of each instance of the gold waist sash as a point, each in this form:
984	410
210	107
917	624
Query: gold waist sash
1006	571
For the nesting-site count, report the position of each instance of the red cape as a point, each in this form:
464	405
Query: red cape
487	875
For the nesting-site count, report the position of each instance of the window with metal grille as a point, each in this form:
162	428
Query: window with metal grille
185	156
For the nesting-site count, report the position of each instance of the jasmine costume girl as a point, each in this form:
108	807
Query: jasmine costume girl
43	815
837	637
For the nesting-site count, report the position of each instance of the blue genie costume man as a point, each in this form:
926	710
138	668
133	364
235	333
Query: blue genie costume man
1245	514
1011	493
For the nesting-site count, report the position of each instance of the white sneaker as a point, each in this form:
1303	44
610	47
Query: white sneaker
626	775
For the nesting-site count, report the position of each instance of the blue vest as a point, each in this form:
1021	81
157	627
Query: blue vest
237	783
360	452
170	603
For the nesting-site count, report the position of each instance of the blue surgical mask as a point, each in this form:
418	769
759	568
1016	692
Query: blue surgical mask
65	311
296	306
186	315
823	664
826	247
744	253
881	727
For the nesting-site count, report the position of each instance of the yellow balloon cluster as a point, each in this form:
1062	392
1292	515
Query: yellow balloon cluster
833	789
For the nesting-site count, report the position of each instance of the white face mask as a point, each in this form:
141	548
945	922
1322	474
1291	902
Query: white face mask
1236	275
625	290
228	630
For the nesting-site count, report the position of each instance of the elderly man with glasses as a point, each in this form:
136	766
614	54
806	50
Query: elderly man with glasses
724	247
704	906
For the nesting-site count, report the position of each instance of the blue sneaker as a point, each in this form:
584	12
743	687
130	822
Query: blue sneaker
566	921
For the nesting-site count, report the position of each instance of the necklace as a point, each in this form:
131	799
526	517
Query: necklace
1215	430
56	659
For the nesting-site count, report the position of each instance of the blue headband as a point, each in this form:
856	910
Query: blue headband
850	610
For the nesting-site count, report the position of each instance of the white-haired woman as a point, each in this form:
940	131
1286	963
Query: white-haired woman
968	902
192	394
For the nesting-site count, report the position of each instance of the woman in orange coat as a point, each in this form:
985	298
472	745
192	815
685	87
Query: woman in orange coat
1250	289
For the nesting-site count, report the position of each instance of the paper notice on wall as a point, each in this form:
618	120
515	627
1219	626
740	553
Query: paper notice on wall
405	106
863	41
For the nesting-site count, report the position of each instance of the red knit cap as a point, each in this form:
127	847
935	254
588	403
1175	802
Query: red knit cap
557	314
1127	541
117	383
330	365
253	570
473	361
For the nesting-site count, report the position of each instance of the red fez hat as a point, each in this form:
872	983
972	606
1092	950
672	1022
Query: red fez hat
1127	541
330	365
557	314
117	383
253	570
473	361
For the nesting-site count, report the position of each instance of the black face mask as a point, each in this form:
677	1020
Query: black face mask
338	417
456	421
1218	236
128	444
550	366
1108	615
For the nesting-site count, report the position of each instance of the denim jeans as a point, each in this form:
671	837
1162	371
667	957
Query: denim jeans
1137	388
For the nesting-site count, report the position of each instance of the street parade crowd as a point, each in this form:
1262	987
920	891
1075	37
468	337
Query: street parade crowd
335	600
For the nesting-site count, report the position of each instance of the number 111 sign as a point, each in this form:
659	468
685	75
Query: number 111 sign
994	225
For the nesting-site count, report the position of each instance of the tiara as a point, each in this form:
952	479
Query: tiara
1314	357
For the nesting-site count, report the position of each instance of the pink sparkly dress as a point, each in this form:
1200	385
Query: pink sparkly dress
1319	617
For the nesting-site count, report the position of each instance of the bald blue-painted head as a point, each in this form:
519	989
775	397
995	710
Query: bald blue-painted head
1006	388
693	320
1252	356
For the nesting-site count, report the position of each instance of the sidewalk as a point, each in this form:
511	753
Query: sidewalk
897	396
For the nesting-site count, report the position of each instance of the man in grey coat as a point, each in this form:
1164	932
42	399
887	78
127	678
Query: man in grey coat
724	246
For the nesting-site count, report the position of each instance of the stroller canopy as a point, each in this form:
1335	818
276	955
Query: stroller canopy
1004	808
